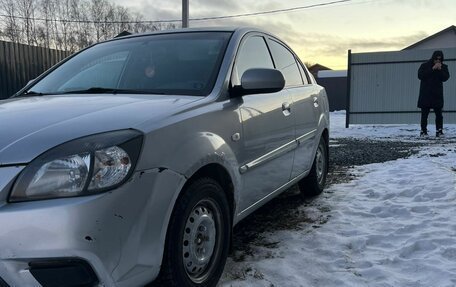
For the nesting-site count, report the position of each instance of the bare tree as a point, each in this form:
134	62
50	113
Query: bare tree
138	26
12	25
109	25
69	24
122	16
82	27
25	10
97	17
46	10
41	37
64	24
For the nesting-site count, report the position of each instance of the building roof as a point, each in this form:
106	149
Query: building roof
317	67
451	29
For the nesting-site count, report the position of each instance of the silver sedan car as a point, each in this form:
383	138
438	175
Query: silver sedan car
130	161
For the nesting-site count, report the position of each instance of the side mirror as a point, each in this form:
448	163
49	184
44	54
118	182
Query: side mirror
259	81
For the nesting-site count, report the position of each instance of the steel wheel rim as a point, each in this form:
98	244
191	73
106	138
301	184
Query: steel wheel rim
200	239
320	164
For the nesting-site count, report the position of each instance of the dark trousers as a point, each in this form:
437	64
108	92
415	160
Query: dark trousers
438	118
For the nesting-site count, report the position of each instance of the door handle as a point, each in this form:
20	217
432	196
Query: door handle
286	108
315	102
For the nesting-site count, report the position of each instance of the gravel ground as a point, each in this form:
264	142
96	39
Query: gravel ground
282	213
345	153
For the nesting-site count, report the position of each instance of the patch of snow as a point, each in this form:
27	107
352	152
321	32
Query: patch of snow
391	132
393	225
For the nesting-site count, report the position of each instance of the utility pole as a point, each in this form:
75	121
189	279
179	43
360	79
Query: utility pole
185	13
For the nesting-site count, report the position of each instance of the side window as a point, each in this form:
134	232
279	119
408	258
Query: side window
286	63
304	75
253	54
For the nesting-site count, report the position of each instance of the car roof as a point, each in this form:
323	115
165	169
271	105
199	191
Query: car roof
242	30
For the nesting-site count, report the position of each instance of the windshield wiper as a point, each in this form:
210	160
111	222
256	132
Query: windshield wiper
92	90
32	93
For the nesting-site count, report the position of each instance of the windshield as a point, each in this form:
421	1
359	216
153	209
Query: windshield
179	63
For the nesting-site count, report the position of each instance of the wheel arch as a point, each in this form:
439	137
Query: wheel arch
221	175
214	171
325	136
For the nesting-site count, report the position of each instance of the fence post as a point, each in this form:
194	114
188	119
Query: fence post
347	112
3	70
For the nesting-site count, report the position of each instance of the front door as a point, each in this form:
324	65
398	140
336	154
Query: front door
268	131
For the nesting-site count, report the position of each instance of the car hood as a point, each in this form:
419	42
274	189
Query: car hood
32	125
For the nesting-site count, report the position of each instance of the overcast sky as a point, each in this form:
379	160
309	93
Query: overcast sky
321	34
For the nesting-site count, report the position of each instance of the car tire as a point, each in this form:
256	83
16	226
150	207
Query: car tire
314	183
198	238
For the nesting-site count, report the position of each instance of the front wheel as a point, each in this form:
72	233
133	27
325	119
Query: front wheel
198	237
315	181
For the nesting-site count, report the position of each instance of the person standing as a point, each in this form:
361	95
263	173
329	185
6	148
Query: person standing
432	75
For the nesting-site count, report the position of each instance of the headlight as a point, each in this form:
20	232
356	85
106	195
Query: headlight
83	166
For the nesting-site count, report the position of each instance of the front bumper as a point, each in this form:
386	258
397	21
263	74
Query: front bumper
120	234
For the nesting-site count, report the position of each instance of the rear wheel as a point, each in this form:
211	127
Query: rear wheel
198	237
315	181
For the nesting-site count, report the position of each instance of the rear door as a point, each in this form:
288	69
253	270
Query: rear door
304	104
268	129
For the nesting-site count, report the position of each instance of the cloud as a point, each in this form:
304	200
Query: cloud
171	9
330	44
417	3
316	47
205	8
311	46
155	10
314	34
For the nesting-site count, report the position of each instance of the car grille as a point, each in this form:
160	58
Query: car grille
3	283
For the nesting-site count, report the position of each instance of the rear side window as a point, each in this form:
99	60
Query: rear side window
304	75
253	54
286	63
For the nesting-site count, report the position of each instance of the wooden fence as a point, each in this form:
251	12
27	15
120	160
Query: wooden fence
21	63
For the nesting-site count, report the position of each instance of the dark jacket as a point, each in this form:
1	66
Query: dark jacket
431	87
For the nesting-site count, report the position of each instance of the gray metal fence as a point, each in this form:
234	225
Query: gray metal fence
383	87
335	84
21	63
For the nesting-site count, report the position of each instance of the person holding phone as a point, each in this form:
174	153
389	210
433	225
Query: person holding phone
432	74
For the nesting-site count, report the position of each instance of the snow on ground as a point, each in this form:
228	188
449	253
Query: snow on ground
390	132
393	225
